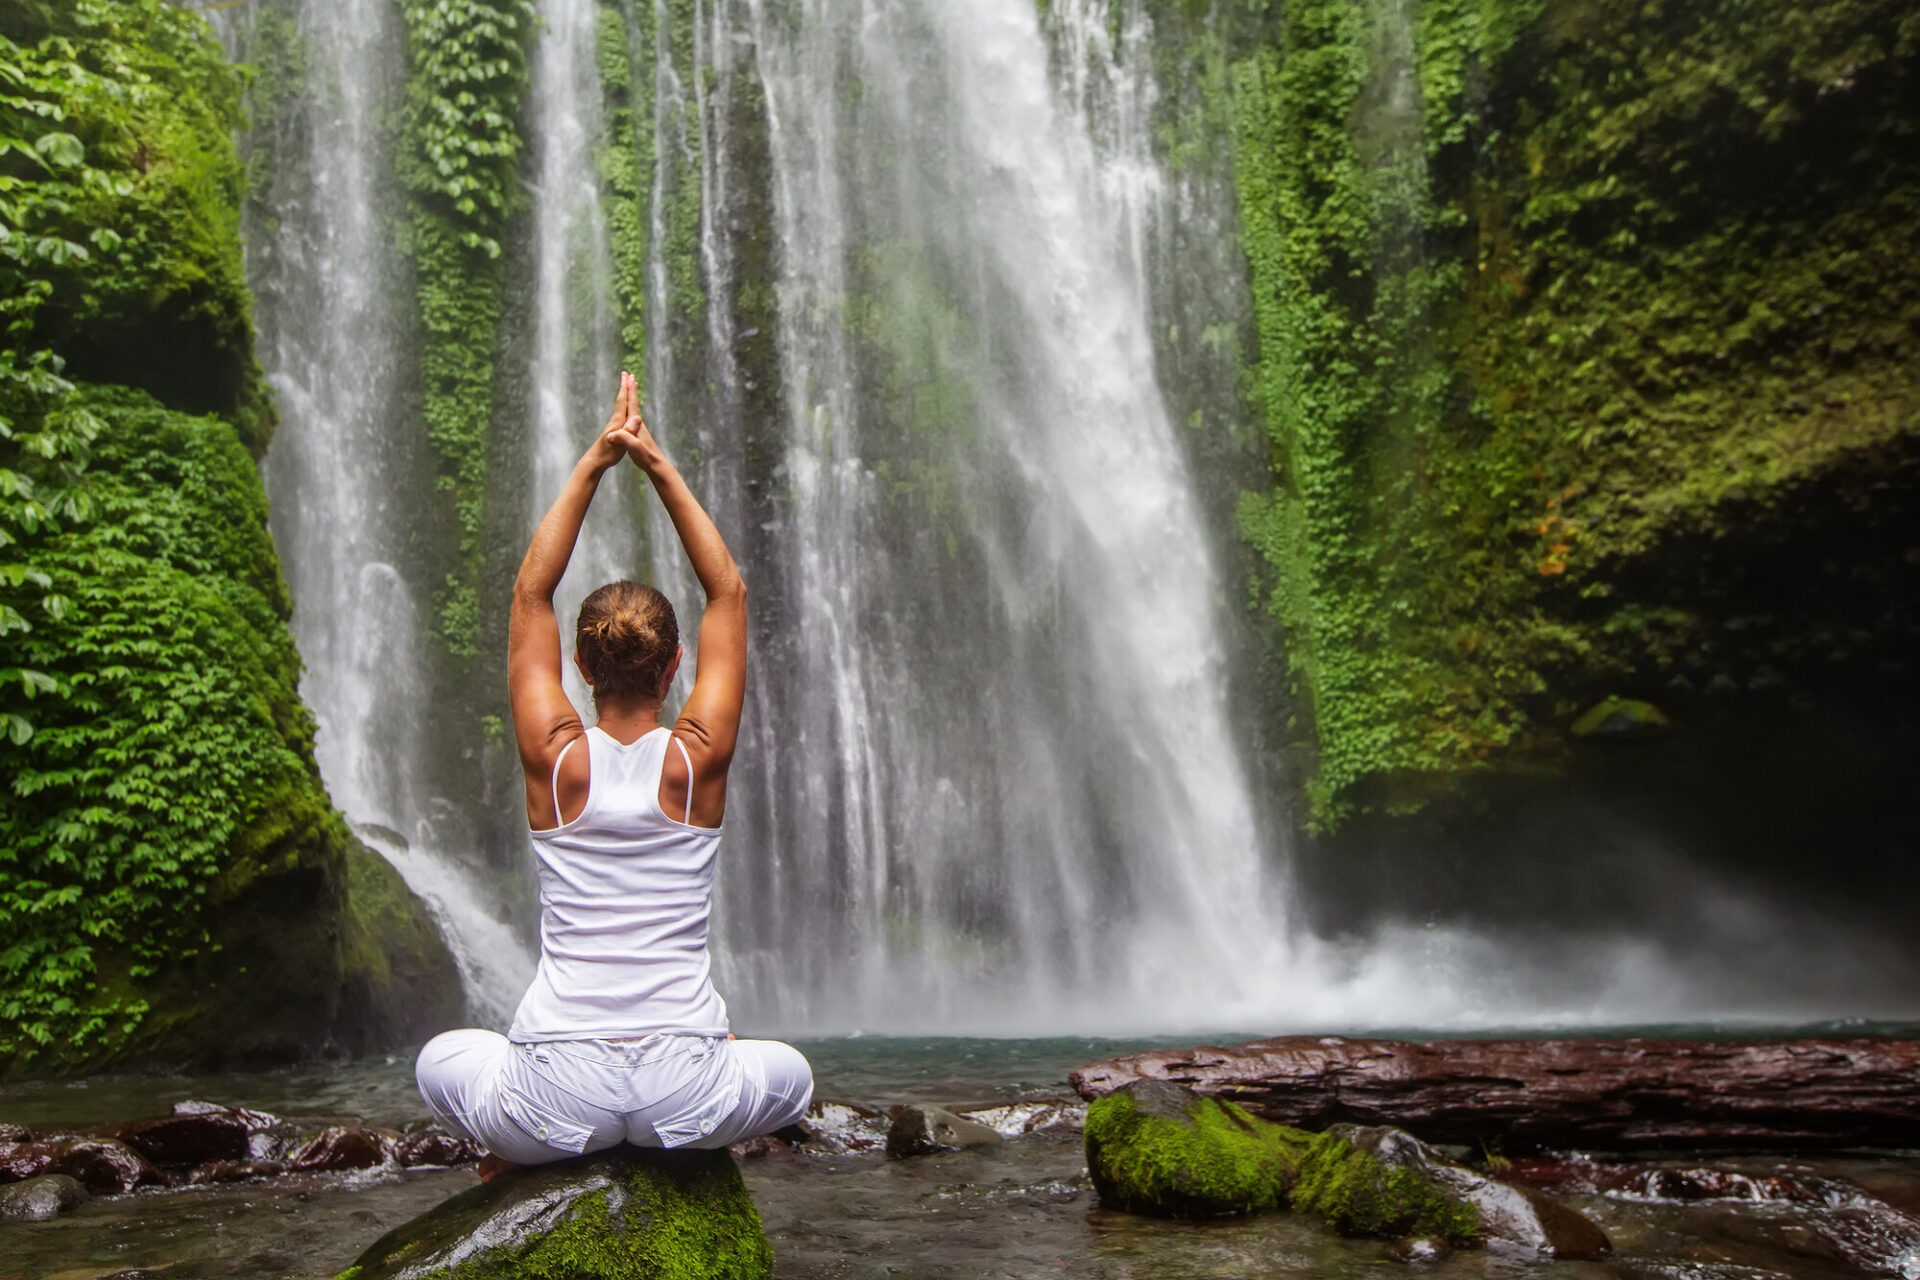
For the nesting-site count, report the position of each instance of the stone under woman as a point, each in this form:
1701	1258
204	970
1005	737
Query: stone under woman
621	1037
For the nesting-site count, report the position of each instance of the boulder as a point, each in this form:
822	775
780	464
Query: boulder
188	1139
845	1128
41	1198
106	1165
919	1130
1622	1095
1515	1214
624	1214
12	1133
338	1147
28	1159
425	1142
1158	1148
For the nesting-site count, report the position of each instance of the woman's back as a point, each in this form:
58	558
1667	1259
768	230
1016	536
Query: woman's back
625	895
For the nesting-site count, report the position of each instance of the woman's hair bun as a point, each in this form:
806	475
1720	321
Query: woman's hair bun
626	638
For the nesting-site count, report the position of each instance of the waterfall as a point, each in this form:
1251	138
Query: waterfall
991	774
902	340
571	363
344	485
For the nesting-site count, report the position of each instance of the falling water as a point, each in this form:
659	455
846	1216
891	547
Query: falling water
342	482
992	775
572	369
1000	780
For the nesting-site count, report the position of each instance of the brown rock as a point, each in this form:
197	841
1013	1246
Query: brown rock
1606	1094
12	1133
430	1144
919	1130
22	1160
188	1139
340	1147
106	1166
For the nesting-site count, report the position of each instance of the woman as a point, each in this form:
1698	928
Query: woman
621	1037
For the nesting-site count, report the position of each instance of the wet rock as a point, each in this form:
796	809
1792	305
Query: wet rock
846	1128
337	1148
39	1199
12	1133
28	1159
1416	1249
1158	1148
426	1143
1595	1094
1017	1119
1622	719
1516	1214
629	1213
188	1139
919	1130
106	1166
235	1171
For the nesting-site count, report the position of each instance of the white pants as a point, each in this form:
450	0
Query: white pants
535	1103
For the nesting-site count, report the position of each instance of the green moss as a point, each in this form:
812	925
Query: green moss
1355	1194
667	1215
1186	1156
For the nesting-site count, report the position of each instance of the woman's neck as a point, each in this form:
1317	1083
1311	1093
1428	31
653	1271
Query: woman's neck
626	721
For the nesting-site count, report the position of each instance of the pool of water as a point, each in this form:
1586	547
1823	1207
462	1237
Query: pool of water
1024	1209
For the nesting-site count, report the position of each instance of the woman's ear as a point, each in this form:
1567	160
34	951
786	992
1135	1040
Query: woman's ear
584	673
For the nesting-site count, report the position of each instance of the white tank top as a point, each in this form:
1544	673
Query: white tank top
625	891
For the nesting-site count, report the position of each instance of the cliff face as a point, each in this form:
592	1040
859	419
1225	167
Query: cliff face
174	884
1585	343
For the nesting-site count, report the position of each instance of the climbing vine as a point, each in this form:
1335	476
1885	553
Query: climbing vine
625	161
1528	310
467	79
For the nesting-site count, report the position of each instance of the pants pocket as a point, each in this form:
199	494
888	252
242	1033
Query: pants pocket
547	1113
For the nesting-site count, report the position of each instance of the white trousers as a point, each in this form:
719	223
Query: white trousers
536	1103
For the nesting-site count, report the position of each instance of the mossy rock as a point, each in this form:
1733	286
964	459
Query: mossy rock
1159	1149
1357	1194
624	1214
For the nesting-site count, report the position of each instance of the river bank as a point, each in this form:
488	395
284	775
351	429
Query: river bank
1020	1208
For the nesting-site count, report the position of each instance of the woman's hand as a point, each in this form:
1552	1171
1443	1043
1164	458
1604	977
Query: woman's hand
610	445
640	444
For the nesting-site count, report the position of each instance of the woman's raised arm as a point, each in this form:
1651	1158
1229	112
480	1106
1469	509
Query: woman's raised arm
709	723
544	719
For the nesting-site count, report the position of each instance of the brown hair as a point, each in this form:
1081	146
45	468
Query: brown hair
626	637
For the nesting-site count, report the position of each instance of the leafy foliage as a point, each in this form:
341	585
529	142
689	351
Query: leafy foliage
119	194
163	721
468	76
1525	326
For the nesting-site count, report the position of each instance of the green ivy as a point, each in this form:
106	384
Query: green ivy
163	721
467	80
625	161
1524	330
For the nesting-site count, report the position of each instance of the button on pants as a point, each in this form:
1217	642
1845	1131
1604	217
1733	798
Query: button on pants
535	1103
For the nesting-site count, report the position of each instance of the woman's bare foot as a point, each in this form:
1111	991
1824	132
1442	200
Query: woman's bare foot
492	1166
